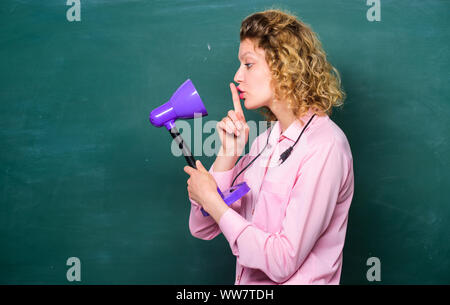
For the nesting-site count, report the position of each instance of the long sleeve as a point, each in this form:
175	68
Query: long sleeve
205	227
313	200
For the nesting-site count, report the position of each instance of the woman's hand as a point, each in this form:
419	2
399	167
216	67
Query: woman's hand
233	129
202	187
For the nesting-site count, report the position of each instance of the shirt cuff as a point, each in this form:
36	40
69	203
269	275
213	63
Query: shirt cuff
232	224
194	203
223	179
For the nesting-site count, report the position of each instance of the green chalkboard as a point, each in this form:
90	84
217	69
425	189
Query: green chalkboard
84	174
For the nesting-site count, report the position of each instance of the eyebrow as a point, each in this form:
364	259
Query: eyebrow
248	52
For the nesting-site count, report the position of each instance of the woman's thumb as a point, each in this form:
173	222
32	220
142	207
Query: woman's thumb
200	166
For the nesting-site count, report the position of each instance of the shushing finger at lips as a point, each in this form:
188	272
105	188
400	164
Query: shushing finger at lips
236	100
234	123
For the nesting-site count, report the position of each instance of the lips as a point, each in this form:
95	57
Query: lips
241	93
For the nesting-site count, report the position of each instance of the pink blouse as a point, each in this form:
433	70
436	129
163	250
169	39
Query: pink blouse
290	228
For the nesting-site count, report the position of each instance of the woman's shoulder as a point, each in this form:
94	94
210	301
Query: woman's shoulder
322	132
326	133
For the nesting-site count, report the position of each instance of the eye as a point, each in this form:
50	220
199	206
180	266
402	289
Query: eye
248	66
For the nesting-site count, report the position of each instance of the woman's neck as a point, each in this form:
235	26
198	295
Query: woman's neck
284	115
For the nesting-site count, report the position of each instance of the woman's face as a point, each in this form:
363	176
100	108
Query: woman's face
253	76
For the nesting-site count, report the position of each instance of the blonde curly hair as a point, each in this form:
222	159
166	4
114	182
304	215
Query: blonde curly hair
301	74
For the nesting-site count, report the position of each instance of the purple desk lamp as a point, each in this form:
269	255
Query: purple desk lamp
183	104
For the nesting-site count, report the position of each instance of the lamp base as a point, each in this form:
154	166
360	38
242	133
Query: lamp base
232	195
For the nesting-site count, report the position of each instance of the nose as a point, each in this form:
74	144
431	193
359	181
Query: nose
238	77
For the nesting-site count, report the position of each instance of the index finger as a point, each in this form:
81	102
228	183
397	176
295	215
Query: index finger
236	100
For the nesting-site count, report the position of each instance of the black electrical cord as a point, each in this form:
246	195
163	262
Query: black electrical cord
283	156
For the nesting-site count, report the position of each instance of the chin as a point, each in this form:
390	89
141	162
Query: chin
249	105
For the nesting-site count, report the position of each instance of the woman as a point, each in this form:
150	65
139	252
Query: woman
290	228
